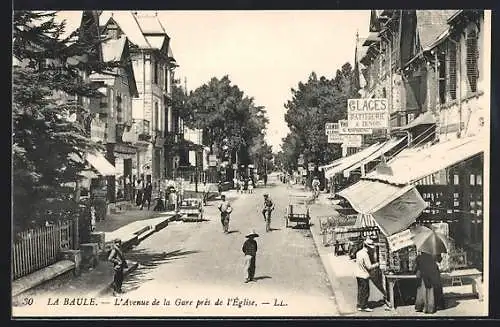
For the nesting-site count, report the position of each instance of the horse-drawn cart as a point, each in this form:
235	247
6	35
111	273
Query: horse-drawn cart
298	210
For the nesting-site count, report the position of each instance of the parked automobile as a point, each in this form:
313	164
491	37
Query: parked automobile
191	209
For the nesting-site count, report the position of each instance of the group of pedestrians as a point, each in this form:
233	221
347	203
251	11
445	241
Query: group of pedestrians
429	296
244	185
250	245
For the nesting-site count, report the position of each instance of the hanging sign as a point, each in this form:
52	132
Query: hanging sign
344	129
352	141
331	128
367	113
400	240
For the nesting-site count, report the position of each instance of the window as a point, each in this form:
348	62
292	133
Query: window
156	117
452	70
384	93
119	110
455	180
472	60
156	75
442	77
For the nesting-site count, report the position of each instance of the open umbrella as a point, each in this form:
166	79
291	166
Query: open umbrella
429	241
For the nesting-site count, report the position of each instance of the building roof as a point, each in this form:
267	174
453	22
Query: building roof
149	23
127	22
431	24
112	49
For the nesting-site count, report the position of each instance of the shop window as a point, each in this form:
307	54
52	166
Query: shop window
452	70
472	60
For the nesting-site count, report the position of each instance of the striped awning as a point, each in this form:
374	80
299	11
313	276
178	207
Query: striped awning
393	208
101	164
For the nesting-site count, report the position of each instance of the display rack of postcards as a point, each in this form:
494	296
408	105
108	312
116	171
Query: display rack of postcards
346	234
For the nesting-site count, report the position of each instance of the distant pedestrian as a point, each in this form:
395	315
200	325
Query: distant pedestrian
364	266
119	262
250	186
267	210
139	188
225	212
205	193
250	251
148	191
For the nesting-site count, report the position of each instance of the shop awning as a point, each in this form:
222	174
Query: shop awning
101	164
388	146
352	160
425	119
393	208
412	165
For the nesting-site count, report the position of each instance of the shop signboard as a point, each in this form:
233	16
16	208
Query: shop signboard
400	240
332	132
212	160
352	140
368	113
344	129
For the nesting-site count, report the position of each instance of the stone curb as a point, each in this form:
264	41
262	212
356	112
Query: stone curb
343	307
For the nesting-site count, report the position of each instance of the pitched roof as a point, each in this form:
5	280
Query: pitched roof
127	22
149	23
431	24
112	49
156	42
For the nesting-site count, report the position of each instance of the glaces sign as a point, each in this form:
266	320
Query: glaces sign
367	113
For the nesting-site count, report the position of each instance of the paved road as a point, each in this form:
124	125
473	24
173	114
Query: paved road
196	262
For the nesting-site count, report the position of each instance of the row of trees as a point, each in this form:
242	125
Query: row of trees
314	103
231	121
50	128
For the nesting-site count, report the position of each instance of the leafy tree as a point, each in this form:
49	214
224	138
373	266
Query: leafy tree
314	103
48	146
226	116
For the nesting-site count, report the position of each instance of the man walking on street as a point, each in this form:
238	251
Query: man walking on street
225	211
266	212
148	191
364	266
250	251
117	258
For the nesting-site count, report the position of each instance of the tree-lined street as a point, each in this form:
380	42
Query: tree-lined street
193	261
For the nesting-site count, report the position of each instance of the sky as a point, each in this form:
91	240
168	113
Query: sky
265	53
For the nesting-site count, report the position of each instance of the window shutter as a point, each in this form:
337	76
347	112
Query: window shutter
452	70
472	60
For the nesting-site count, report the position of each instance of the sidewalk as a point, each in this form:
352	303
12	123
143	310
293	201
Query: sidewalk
117	220
341	273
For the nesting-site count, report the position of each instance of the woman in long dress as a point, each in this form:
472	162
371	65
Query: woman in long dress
429	297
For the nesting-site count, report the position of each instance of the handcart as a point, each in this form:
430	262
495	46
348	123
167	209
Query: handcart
298	210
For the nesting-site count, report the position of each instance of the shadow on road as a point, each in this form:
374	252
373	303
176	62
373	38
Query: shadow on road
147	261
234	231
261	277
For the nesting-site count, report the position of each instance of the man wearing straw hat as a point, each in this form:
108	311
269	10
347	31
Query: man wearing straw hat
117	258
364	266
250	251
